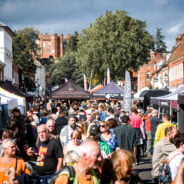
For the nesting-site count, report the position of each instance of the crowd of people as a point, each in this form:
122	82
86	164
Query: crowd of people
99	140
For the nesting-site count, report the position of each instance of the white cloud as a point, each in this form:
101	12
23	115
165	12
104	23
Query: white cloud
175	29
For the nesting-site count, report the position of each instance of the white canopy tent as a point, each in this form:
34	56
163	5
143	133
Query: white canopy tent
12	100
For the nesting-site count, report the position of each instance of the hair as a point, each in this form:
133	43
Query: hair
166	116
169	129
86	147
112	122
124	119
29	110
7	142
84	127
106	123
15	110
178	139
7	134
71	157
117	158
77	134
134	110
12	124
111	110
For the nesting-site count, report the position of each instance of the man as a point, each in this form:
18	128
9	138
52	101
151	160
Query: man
125	135
103	114
162	149
20	122
161	128
61	121
89	153
65	134
30	114
148	134
49	156
154	120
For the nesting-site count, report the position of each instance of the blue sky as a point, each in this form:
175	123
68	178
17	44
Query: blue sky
68	16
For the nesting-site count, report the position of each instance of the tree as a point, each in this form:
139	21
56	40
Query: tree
160	45
24	51
72	43
114	41
66	68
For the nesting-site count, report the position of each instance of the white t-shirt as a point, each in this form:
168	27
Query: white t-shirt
175	162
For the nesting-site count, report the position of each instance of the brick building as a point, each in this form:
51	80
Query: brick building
51	45
176	63
154	74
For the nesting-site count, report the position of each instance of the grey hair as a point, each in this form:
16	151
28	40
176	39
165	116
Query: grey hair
6	143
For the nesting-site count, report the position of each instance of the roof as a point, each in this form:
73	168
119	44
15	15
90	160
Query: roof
7	85
110	90
70	91
96	88
7	29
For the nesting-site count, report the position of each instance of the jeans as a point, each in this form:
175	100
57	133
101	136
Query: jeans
148	143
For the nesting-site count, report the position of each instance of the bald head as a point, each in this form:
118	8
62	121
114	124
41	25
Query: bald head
90	154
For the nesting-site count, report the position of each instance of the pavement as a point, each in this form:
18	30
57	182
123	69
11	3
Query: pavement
144	170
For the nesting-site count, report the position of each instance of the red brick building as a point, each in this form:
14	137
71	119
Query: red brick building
154	74
51	45
176	63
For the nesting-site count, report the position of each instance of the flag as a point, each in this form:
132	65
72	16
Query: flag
85	83
108	76
127	93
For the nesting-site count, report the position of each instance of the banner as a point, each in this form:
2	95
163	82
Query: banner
127	93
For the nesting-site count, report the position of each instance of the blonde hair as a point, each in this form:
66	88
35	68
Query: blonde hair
117	160
71	157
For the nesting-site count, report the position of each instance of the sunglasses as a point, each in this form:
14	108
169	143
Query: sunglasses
102	126
79	126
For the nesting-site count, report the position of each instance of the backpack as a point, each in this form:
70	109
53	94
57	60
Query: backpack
67	170
164	171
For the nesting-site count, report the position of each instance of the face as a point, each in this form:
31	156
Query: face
103	128
79	127
126	169
43	134
72	122
94	159
76	140
11	150
50	126
29	114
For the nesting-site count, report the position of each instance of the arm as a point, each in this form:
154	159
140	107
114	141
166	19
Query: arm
180	175
59	164
157	135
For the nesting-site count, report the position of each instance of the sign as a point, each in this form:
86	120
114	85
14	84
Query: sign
127	93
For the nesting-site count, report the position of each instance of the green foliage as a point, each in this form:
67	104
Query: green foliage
72	43
160	45
66	68
114	41
24	51
46	62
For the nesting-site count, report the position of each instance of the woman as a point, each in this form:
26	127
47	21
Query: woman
107	136
120	169
82	128
74	143
176	157
12	168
